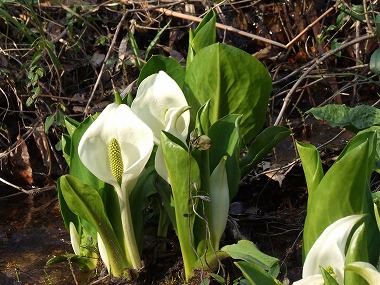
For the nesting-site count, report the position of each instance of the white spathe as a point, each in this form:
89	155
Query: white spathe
134	137
103	253
156	96
74	238
329	249
171	118
316	279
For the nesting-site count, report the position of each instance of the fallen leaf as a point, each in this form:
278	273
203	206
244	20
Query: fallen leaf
20	164
43	146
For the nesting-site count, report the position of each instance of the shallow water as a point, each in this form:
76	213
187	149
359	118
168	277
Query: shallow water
31	232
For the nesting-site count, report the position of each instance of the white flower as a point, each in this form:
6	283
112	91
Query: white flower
117	124
329	249
115	148
161	104
157	96
316	279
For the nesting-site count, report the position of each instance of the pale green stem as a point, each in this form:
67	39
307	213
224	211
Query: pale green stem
132	251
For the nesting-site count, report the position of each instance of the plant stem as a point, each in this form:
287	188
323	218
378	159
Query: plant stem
130	245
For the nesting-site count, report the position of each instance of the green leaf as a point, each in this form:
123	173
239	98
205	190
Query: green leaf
203	36
157	63
110	201
354	119
83	263
144	188
183	174
49	122
255	274
261	146
311	164
229	78
226	140
71	125
247	251
364	247
348	178
85	202
376	130
66	148
67	215
374	62
202	122
164	190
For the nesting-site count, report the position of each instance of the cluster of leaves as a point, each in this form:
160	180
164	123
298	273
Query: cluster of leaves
217	80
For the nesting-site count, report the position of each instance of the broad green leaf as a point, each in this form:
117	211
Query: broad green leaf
203	36
86	203
110	201
348	178
226	141
183	174
235	83
165	192
354	119
247	251
157	63
261	146
67	215
255	274
311	164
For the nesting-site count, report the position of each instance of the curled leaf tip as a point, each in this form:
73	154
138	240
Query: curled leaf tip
116	160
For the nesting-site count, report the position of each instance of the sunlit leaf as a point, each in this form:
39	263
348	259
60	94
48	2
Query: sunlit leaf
85	202
232	80
184	174
348	178
247	251
255	274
